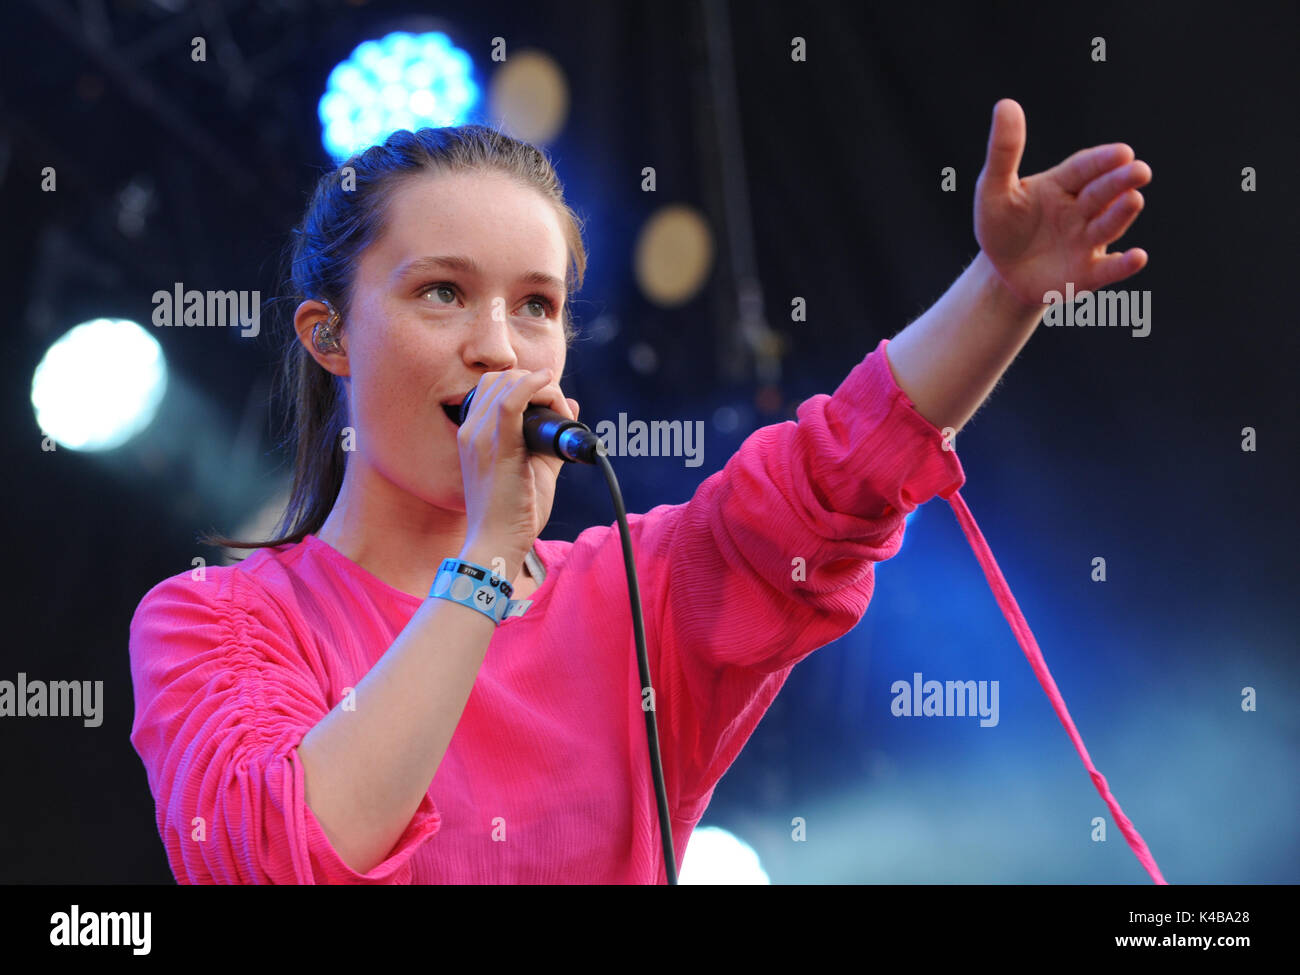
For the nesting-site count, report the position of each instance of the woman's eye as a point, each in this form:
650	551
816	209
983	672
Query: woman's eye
439	289
542	304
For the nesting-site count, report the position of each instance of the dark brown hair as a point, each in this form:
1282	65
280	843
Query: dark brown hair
346	215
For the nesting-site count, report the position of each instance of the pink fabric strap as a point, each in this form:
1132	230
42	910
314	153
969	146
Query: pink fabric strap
1030	646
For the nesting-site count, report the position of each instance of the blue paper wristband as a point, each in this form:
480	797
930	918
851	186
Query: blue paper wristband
477	587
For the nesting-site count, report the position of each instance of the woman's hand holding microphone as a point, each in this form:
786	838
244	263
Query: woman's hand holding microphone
509	489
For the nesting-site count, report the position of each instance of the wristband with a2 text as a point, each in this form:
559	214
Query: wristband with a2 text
477	587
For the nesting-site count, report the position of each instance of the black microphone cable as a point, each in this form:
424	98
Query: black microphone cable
651	725
546	431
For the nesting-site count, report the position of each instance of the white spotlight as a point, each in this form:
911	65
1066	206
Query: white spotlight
99	385
715	856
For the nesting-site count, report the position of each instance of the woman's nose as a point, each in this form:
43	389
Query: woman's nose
488	345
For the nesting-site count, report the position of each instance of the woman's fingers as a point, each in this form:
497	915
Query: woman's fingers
1087	164
1112	224
512	396
552	397
1116	267
1098	194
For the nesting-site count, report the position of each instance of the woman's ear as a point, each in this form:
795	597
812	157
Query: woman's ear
320	330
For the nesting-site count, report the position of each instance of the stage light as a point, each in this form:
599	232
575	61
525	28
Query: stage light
715	856
673	255
99	385
403	81
643	358
529	95
726	419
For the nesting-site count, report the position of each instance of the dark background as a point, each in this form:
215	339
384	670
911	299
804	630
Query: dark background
1096	443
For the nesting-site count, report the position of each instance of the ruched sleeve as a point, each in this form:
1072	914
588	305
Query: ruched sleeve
772	558
225	690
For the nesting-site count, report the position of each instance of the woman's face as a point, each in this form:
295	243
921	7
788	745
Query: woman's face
467	278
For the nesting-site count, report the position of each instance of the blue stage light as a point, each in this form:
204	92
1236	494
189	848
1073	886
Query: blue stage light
403	81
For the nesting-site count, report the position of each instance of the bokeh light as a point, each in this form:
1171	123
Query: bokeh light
403	81
99	385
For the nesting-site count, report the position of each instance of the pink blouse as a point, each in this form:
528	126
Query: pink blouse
547	778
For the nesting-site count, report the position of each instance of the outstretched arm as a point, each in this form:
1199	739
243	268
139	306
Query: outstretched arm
1035	234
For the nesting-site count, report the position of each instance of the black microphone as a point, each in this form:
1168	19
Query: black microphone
547	432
